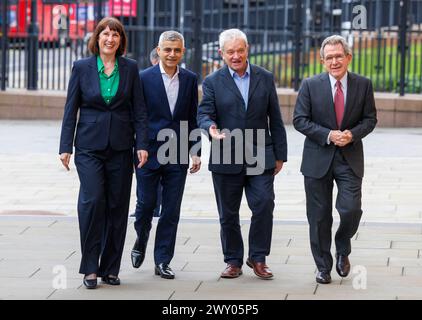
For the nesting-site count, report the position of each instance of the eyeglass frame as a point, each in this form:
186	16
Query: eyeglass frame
338	58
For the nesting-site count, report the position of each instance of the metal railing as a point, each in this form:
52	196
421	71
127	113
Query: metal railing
38	47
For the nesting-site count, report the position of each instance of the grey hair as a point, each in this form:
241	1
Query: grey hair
231	34
171	36
153	55
333	40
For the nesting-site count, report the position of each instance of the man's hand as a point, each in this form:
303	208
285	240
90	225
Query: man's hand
215	134
65	159
348	136
341	138
142	157
345	138
278	166
196	164
335	136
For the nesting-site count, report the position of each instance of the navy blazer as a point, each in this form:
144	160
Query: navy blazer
314	116
160	116
223	105
100	124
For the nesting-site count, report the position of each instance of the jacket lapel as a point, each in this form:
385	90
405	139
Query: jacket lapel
158	79
95	79
327	96
122	82
254	80
229	82
351	92
181	93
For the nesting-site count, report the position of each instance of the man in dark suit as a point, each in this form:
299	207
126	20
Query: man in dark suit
335	111
241	99
154	59
171	98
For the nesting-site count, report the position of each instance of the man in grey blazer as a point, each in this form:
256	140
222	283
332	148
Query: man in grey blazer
241	99
335	110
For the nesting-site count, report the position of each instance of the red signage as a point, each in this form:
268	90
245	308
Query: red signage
123	8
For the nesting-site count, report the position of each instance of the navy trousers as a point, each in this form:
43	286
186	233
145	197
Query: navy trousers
259	190
173	178
103	205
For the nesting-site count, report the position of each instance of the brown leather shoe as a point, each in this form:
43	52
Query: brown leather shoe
231	272
260	269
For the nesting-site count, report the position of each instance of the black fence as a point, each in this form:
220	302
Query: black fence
40	39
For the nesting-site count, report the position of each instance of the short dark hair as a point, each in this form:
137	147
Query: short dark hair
114	25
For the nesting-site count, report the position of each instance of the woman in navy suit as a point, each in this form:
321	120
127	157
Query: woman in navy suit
105	89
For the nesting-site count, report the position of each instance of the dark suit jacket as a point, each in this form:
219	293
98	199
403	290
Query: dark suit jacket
159	114
100	124
223	105
314	116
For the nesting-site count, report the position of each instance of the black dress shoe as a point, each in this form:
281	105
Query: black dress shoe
113	281
90	283
138	254
323	277
342	265
164	271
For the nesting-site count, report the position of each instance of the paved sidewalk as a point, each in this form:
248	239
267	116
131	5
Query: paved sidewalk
34	182
38	228
36	251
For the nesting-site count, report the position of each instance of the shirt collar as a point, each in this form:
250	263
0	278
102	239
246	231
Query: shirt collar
164	72
343	81
100	66
247	73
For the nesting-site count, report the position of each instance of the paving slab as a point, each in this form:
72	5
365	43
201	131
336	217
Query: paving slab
39	229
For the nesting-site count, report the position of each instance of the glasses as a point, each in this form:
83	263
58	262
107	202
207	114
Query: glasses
339	58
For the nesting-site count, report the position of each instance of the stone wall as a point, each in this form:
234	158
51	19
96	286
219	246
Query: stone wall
393	110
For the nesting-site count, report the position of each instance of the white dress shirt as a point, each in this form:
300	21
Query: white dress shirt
343	81
171	84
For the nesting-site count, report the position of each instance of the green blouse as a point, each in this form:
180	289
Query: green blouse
108	84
